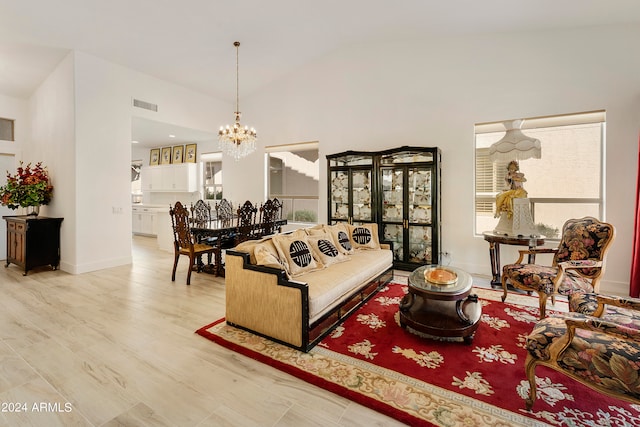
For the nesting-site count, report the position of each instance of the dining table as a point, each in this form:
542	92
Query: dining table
226	237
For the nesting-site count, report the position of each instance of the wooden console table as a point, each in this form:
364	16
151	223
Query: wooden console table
33	241
496	239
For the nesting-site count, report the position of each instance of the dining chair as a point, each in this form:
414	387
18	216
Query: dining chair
246	222
577	266
184	243
224	213
270	212
201	214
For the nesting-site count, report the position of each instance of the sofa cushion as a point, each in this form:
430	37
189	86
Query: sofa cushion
341	237
325	249
266	254
295	249
364	236
328	287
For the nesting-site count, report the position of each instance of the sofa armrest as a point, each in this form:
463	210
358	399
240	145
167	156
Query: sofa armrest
263	300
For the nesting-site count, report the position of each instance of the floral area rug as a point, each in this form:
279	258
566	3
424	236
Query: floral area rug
420	381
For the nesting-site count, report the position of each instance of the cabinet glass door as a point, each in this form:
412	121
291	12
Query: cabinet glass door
419	196
361	195
420	244
394	233
340	195
392	195
393	209
419	215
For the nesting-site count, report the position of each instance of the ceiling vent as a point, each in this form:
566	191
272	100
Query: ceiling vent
146	105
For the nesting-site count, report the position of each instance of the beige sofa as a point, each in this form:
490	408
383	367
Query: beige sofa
296	288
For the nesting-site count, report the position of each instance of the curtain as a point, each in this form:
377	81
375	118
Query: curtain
635	257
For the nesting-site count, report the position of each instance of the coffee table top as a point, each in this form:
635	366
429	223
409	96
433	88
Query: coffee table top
461	286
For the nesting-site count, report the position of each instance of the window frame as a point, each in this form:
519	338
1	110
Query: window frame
205	159
290	201
545	122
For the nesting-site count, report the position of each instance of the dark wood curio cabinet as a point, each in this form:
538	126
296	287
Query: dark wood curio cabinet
399	189
33	241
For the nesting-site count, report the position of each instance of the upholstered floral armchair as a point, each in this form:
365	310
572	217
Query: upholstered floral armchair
578	263
601	350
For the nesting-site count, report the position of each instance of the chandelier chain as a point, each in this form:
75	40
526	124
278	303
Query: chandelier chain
237	141
237	45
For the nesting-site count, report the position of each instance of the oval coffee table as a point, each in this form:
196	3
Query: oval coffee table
441	310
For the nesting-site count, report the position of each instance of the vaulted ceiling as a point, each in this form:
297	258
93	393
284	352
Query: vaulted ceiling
190	42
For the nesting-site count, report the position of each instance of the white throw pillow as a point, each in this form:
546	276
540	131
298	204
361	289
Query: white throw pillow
296	250
341	237
364	236
326	250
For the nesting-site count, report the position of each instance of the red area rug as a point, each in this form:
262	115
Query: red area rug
371	360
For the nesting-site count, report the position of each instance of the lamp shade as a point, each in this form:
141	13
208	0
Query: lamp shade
515	145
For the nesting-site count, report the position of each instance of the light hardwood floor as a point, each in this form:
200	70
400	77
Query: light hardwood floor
117	347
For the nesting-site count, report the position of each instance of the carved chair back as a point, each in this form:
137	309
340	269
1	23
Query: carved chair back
201	214
246	221
224	213
270	211
181	226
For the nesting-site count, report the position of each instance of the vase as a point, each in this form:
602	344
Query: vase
33	210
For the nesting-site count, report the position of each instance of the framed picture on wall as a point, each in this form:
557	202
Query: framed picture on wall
154	157
165	159
190	152
177	153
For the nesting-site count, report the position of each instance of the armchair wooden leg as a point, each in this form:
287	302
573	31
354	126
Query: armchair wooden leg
543	304
530	369
504	287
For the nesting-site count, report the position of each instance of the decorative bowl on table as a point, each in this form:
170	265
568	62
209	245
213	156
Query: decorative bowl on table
440	276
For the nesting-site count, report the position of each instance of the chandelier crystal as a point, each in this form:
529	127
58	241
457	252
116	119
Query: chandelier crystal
237	141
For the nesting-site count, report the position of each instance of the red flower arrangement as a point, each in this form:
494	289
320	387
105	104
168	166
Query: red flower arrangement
30	186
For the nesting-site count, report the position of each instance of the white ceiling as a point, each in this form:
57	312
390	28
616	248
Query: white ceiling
190	42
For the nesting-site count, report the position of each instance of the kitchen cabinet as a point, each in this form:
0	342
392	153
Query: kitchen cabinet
177	178
144	221
33	241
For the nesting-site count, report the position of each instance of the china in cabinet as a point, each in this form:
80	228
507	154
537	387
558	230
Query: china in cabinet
410	203
350	188
399	189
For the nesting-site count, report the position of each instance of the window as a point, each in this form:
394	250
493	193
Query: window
567	182
6	129
212	176
293	177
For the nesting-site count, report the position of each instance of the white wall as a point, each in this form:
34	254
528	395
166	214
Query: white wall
365	97
10	153
51	124
81	121
15	109
432	92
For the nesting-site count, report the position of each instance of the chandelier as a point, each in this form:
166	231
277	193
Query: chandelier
237	141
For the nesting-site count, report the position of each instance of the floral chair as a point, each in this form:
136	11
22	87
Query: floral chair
600	350
578	263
